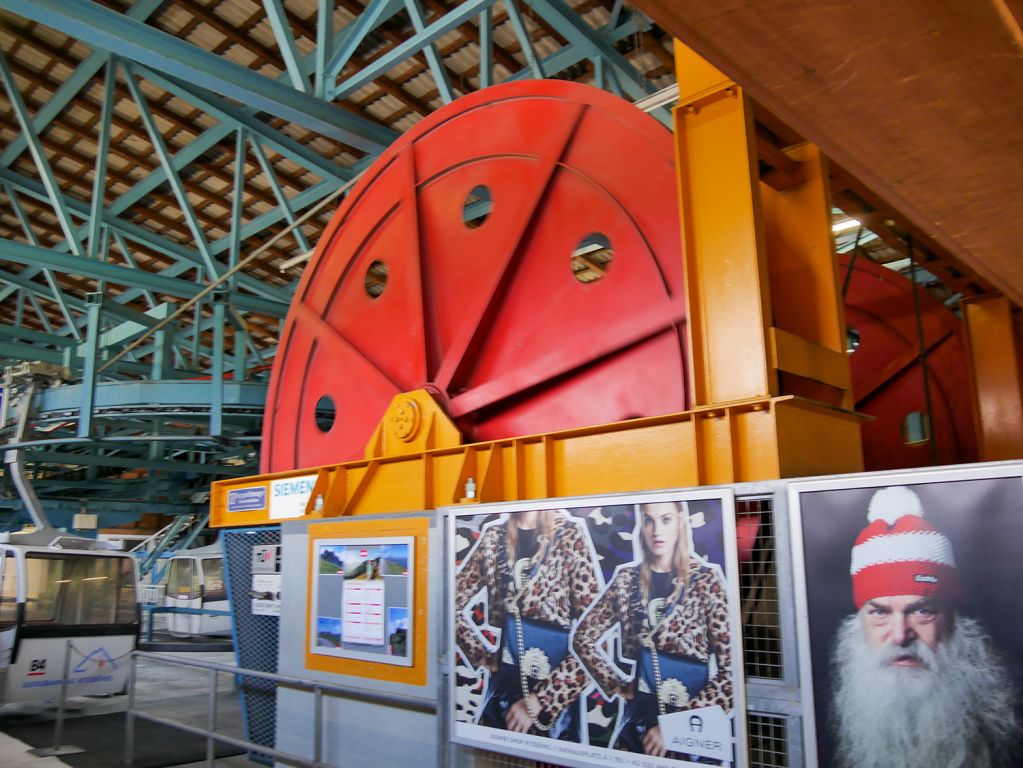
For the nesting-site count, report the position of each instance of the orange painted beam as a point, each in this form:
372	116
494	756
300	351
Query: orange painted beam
994	351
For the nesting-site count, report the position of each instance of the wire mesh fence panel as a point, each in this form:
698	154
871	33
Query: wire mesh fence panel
256	636
768	740
758	580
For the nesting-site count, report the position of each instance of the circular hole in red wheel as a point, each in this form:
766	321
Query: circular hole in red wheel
477	206
376	279
326	413
591	258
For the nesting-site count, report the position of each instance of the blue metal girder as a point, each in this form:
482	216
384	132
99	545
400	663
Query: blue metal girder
282	200
130	260
525	41
237	203
99	179
486	48
324	37
375	14
176	394
102	28
27	335
91	349
286	43
581	35
58	295
433	58
68	89
139	234
55	507
126	462
42	163
98	270
451	20
25	284
232	117
213	269
22	351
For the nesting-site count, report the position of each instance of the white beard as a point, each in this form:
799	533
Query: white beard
954	711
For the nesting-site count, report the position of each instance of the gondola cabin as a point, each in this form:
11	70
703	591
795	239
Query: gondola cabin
195	581
65	603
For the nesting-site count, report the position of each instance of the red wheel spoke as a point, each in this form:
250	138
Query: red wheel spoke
650	322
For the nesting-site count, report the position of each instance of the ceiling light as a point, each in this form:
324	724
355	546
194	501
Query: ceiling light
844	226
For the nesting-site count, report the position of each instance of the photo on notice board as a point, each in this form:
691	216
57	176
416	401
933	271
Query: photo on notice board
599	631
911	617
362	599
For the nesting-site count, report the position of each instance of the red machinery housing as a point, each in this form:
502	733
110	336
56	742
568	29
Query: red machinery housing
517	254
888	378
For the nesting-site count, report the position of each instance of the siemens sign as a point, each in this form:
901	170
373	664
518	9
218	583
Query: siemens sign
289	497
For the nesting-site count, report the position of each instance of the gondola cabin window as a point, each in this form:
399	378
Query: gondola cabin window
185	581
8	593
79	589
213	579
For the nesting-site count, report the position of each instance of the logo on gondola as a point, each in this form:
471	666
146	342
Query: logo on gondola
36	667
100	658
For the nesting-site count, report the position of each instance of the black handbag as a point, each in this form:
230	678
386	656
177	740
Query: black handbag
543	647
681	677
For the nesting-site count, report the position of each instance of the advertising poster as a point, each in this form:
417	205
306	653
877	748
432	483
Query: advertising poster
910	617
599	631
362	599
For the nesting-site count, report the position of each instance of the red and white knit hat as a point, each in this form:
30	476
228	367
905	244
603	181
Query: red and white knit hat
900	553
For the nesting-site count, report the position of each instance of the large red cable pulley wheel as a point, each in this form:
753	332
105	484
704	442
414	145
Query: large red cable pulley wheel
516	254
888	377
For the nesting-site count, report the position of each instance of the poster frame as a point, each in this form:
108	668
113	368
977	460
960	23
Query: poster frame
859	481
365	542
416	528
577	755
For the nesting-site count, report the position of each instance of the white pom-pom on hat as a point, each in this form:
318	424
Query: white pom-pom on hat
889	504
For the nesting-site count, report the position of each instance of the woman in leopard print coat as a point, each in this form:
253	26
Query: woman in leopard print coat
551	580
671	602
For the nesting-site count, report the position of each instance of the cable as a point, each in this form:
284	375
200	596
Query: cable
923	350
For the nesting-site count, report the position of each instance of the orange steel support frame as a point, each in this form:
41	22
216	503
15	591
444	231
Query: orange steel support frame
769	374
706	446
997	379
765	314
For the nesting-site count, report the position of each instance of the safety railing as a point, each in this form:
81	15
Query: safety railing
152	594
149	610
318	690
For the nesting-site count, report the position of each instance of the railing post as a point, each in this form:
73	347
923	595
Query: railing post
58	730
129	724
317	723
211	720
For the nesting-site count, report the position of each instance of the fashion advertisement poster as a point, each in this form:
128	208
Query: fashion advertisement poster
599	631
910	615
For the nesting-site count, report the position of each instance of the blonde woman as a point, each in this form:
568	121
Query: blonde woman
537	570
672	613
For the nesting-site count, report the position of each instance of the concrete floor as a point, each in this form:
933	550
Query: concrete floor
164	690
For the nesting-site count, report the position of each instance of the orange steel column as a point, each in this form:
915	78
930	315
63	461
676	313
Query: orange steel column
729	310
765	315
996	371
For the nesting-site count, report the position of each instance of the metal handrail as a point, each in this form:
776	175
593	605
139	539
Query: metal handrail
150	610
316	688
